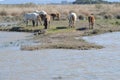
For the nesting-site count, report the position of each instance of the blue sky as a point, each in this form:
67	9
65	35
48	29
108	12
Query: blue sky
36	1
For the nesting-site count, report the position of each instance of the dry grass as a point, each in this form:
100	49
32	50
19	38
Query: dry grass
63	9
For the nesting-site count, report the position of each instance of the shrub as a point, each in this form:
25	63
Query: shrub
14	14
117	16
3	13
81	17
108	16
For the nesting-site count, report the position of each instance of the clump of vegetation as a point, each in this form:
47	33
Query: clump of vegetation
108	16
117	23
117	16
3	13
81	17
89	1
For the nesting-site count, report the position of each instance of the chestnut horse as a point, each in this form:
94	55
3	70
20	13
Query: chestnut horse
91	20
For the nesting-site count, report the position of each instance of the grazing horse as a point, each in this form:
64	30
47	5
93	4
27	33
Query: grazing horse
34	17
91	20
45	18
46	21
72	17
55	15
42	14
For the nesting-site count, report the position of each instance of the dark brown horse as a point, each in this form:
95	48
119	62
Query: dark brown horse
46	21
55	16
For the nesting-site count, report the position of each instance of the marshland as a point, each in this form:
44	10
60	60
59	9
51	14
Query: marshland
59	35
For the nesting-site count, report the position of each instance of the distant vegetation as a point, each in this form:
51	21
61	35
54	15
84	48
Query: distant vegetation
90	1
101	11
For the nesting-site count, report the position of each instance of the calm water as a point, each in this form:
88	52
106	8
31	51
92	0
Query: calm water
60	64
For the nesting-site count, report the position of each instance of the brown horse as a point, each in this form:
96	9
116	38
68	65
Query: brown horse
55	15
46	21
91	20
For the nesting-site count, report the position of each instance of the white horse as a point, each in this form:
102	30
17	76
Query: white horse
72	17
34	17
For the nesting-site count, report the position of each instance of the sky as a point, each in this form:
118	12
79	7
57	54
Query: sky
36	1
33	1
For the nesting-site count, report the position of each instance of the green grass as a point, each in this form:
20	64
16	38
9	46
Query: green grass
61	26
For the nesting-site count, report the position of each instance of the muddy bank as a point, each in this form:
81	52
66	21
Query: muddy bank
67	40
61	41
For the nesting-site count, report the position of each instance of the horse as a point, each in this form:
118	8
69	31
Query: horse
91	20
72	17
42	14
34	17
46	21
55	15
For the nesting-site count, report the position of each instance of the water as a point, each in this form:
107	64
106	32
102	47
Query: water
62	64
8	24
15	40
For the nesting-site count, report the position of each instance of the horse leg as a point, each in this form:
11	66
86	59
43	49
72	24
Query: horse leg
92	25
33	22
45	24
36	22
26	23
53	18
73	24
40	22
89	25
49	23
